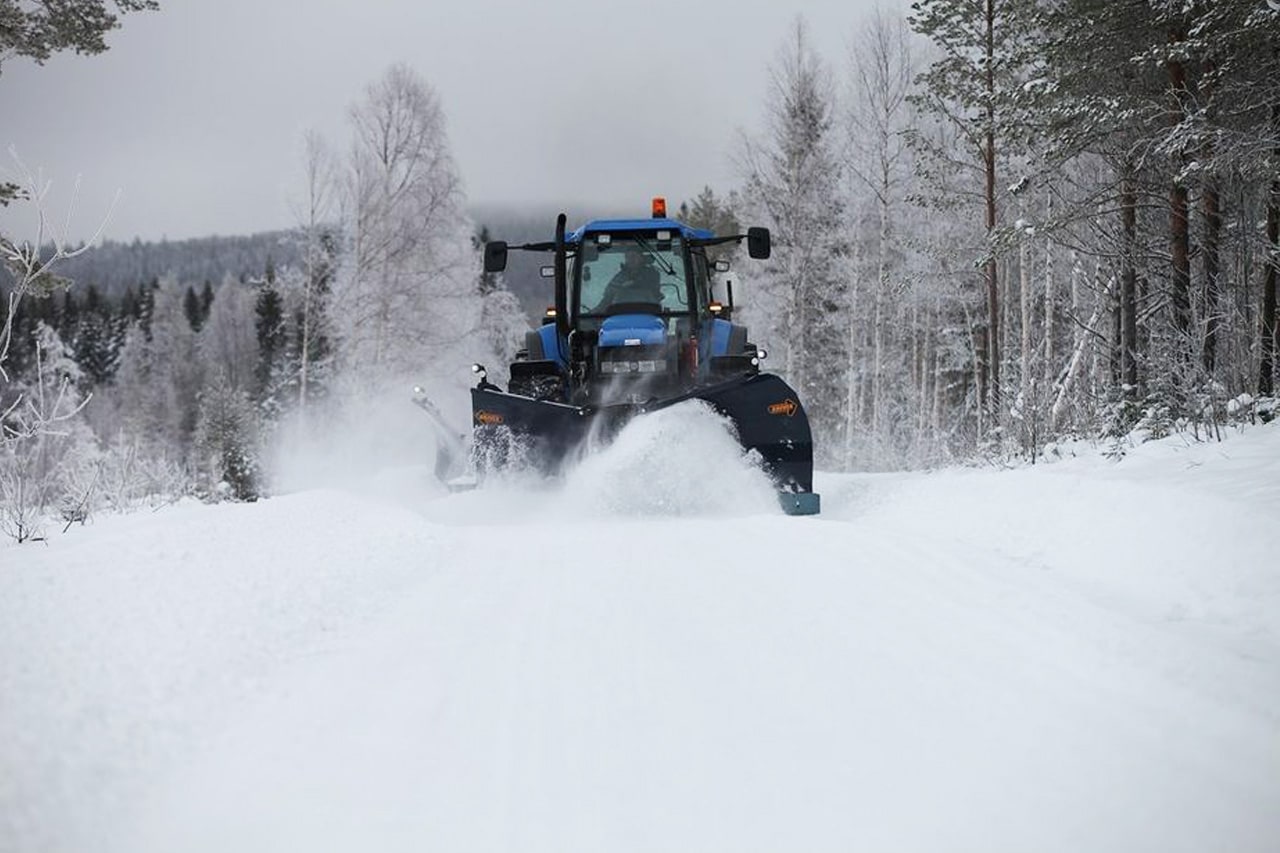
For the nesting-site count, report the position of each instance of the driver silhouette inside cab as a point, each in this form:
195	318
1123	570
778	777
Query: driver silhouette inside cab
637	281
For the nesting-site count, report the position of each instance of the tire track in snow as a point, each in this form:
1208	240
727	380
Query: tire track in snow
752	683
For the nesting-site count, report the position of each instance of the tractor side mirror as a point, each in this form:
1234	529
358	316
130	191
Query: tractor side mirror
495	256
758	243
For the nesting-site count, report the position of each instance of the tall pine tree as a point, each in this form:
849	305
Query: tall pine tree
986	55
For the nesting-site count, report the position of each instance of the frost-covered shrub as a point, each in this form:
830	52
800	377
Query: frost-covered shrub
46	448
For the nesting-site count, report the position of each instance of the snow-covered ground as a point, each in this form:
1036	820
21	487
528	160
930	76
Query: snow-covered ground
1076	656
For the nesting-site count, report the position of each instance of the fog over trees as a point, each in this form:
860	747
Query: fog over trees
997	224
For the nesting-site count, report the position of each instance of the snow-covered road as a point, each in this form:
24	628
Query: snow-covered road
1083	656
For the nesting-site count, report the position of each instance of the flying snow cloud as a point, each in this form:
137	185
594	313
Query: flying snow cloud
683	460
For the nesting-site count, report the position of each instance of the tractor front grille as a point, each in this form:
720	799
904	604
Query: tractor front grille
639	360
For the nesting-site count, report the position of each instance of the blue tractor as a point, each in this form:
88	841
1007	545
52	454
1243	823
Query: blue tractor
635	328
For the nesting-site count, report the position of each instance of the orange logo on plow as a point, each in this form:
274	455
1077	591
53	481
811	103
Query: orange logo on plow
786	407
488	418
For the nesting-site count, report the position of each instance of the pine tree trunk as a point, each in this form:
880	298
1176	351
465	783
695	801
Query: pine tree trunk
939	386
1128	283
1007	305
1050	302
1180	274
1024	287
1114	339
882	279
981	375
1267	333
919	355
991	359
1211	207
1179	234
1076	331
989	167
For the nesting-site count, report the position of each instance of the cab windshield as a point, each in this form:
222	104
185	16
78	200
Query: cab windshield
631	269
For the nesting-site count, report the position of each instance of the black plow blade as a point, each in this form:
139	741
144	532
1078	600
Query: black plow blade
771	421
516	431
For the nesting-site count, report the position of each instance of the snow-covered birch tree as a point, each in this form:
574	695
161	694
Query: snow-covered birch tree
880	79
793	179
406	288
311	343
228	340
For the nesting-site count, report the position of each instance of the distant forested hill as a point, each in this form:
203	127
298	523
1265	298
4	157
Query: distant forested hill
116	267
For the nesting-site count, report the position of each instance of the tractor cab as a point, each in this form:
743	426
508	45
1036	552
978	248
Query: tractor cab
636	307
632	268
635	317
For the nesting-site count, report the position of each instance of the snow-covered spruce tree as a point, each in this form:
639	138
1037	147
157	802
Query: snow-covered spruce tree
39	30
405	293
161	371
714	214
270	374
94	341
796	301
226	441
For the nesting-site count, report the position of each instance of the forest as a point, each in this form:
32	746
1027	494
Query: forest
1008	223
998	225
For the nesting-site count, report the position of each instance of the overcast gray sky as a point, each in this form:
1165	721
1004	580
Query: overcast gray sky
197	112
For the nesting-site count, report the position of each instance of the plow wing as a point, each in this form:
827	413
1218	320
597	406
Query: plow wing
512	429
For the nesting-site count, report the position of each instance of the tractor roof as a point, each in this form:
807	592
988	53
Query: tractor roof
621	226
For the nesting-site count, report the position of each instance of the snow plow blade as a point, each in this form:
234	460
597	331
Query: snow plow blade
451	448
511	429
